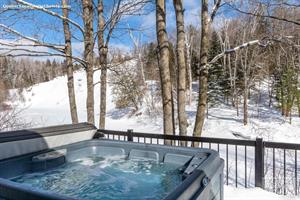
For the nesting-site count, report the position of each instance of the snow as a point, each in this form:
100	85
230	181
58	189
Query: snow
47	104
232	193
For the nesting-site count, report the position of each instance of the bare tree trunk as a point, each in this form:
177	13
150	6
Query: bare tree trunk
139	50
298	90
166	85
245	102
141	66
106	27
103	90
237	106
246	67
88	15
203	76
70	73
298	102
102	49
189	78
235	93
282	99
181	81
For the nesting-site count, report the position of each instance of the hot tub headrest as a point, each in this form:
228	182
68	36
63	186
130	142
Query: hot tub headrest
15	143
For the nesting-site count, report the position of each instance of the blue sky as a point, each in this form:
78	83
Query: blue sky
48	28
40	25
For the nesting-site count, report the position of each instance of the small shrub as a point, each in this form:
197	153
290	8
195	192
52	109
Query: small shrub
127	90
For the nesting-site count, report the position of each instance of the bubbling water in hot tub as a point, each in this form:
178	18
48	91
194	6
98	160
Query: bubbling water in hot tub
108	178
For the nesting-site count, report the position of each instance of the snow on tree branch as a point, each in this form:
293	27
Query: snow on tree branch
17	47
56	47
262	43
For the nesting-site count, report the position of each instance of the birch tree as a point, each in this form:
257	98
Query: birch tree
189	48
181	67
163	61
102	49
105	29
206	21
69	63
88	16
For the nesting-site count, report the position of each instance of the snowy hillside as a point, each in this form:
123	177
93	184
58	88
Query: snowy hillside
47	104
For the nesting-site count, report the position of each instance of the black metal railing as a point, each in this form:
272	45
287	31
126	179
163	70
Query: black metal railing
248	163
281	171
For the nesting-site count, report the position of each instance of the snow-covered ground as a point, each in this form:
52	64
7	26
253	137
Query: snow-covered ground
47	104
232	193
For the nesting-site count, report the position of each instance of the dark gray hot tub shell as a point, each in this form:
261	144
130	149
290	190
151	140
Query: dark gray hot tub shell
203	170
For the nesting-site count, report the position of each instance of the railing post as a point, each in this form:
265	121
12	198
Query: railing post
98	134
129	135
259	163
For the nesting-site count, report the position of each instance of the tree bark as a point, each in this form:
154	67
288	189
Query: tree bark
189	74
103	90
163	48
282	99
298	102
88	16
70	72
246	69
103	50
181	78
245	105
203	76
237	105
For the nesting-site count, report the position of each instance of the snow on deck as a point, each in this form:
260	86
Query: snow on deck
232	193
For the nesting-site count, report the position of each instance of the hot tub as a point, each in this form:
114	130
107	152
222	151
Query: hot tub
65	162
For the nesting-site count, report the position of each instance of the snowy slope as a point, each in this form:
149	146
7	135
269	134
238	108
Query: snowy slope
47	104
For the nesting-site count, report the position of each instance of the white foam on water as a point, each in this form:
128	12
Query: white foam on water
105	178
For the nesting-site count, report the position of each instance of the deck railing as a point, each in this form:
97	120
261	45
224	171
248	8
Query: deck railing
270	165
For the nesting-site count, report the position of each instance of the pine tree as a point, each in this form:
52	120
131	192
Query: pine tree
217	83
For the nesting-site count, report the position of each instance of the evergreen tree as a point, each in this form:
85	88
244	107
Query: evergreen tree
217	83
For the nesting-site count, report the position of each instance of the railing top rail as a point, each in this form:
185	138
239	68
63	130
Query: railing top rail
183	138
282	145
279	145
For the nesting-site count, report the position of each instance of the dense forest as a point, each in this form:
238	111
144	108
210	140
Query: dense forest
23	73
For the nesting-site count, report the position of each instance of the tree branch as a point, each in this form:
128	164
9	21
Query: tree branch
52	46
50	13
265	16
214	10
263	43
